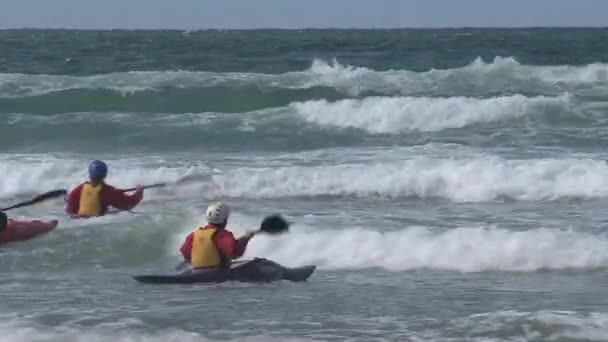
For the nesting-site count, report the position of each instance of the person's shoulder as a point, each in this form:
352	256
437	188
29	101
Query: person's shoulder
78	187
108	187
225	233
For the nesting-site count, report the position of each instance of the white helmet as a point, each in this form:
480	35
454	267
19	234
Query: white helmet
217	213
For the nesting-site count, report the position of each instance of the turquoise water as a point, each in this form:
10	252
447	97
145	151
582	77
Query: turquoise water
449	184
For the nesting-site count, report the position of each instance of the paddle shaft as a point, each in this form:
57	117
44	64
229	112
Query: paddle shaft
42	197
161	185
157	185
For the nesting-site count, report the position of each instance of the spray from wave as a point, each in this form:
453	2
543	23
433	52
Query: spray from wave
491	326
373	115
352	80
461	249
401	114
34	174
472	178
105	332
463	180
543	325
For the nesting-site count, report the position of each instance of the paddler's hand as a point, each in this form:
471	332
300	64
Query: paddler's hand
139	188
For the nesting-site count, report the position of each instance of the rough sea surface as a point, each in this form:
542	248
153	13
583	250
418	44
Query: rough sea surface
451	185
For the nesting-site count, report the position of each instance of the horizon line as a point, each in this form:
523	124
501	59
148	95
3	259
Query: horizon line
56	28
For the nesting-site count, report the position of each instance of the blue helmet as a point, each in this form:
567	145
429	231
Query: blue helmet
98	170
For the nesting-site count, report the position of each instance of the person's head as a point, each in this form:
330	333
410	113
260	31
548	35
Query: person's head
217	214
98	171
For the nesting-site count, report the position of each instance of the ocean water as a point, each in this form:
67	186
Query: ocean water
450	184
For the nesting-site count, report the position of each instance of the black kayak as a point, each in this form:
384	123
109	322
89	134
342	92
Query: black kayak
256	270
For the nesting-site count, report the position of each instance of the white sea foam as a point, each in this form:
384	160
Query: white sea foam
462	249
402	114
473	179
349	79
39	173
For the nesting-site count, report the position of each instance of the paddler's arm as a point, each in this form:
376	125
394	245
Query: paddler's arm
186	248
120	200
231	247
241	243
73	201
240	246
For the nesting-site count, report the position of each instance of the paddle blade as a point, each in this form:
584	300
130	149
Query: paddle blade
274	224
3	221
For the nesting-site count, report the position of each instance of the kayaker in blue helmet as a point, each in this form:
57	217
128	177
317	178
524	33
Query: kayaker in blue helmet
92	198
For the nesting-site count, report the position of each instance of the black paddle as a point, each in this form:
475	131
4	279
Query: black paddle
42	197
3	221
62	192
161	185
157	185
273	224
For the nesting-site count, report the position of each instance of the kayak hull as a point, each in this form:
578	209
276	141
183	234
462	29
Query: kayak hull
254	271
25	230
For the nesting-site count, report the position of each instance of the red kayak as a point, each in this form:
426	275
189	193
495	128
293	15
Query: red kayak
25	230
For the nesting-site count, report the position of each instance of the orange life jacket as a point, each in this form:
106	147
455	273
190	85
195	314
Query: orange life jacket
204	251
90	200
